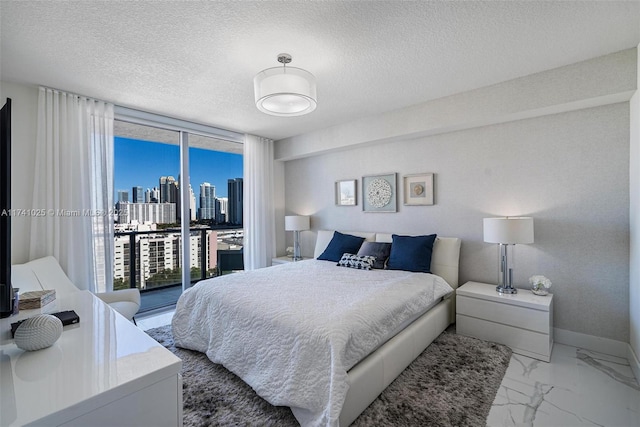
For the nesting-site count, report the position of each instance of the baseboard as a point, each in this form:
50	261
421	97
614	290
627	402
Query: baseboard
632	357
593	343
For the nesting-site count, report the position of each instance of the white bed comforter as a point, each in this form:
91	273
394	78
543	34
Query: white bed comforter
293	331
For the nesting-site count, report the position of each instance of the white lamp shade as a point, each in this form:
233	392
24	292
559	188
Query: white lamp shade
296	223
508	230
285	91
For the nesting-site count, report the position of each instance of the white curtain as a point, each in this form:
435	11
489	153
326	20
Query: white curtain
73	188
259	231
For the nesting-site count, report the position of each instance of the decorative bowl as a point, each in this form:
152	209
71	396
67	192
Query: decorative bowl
38	332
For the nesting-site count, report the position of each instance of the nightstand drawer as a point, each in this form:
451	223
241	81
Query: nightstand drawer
511	315
528	343
522	321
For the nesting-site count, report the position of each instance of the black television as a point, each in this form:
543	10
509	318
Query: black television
6	290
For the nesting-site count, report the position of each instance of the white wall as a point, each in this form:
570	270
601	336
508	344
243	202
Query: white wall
599	81
634	284
24	104
566	165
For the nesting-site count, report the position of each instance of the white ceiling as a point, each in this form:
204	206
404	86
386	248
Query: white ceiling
196	60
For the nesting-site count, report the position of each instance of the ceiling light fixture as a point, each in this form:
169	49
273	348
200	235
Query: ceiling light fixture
285	91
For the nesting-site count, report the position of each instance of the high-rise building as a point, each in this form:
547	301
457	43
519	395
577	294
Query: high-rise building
220	217
152	195
178	199
235	201
120	258
123	196
138	196
168	190
212	252
207	201
155	254
158	213
170	193
223	210
192	204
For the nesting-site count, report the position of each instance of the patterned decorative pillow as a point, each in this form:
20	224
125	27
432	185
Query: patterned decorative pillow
355	261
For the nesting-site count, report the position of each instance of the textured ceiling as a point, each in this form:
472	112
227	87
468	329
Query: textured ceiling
196	60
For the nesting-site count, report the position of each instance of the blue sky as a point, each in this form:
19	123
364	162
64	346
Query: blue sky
142	163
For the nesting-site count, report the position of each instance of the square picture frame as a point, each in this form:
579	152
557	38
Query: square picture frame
346	192
379	193
418	189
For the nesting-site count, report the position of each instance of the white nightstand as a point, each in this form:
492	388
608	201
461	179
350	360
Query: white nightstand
523	321
281	260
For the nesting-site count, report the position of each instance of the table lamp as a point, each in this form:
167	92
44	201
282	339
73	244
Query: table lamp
507	231
296	223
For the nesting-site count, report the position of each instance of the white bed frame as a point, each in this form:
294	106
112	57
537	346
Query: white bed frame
374	373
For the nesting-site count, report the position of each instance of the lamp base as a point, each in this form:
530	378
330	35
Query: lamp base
506	289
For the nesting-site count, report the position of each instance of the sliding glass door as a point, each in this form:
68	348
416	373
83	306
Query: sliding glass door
156	249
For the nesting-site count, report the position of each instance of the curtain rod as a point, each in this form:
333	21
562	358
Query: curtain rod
132	115
151	119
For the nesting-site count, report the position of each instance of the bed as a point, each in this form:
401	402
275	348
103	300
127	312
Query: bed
329	354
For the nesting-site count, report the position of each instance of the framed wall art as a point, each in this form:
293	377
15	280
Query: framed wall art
346	192
418	189
379	193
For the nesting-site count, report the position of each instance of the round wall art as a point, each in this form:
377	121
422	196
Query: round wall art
379	193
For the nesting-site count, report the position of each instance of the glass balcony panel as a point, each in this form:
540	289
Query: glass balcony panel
157	267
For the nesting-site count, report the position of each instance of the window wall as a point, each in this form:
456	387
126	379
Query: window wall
168	220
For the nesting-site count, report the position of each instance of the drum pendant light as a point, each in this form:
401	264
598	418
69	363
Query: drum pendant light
285	91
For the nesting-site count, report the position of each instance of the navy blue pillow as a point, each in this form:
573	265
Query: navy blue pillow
341	244
411	253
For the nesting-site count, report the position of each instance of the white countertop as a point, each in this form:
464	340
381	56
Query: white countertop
101	359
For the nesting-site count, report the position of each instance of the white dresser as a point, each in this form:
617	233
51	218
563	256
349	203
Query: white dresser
522	321
103	371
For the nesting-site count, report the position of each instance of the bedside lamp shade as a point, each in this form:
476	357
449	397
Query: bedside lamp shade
296	223
507	231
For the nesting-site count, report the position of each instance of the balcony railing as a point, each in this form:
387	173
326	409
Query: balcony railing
151	260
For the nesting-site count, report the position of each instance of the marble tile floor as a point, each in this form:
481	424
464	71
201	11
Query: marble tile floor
155	320
577	388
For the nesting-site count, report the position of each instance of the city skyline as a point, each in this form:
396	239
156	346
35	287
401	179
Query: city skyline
133	169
